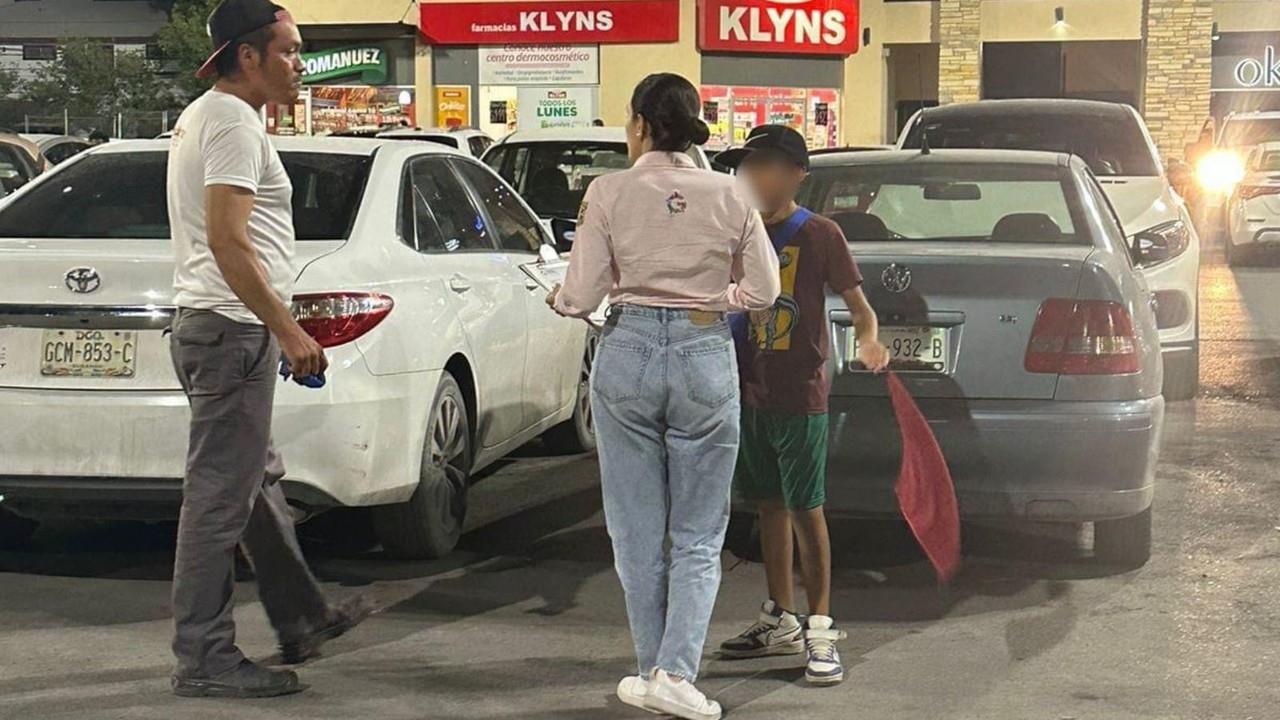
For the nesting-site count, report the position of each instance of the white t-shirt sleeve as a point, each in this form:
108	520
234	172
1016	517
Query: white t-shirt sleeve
233	155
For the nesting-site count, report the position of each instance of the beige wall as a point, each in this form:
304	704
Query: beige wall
1246	15
904	22
623	66
335	12
1027	20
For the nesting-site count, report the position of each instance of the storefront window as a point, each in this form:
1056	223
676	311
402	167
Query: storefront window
731	113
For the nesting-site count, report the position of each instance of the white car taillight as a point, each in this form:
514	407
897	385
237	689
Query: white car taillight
338	318
1082	337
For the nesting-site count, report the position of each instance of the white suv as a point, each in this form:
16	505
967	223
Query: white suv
468	140
1113	140
552	168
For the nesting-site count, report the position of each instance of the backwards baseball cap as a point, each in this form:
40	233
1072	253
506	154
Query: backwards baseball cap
233	19
777	140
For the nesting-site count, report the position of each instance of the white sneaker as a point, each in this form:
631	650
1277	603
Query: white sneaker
820	639
633	690
681	699
776	632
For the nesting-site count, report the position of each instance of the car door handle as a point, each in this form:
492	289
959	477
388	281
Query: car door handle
459	283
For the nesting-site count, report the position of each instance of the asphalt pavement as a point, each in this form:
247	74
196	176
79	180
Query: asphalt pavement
525	620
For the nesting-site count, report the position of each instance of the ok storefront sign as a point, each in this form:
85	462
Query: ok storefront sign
570	22
791	27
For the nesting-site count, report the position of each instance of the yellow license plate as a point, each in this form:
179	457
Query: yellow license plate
911	349
89	353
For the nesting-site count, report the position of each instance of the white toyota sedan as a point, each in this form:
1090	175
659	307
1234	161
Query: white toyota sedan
443	355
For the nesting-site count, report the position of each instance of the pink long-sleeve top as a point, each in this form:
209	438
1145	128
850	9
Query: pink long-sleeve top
667	234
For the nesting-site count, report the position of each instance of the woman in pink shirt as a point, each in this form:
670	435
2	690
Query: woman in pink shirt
673	248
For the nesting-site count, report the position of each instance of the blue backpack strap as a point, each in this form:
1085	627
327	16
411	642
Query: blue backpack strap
738	321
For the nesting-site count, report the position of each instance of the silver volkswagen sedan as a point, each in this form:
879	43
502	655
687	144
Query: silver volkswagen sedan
1012	306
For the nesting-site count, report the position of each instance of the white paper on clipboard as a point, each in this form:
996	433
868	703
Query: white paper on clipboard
549	273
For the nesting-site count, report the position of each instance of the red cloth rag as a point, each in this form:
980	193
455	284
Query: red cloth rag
925	490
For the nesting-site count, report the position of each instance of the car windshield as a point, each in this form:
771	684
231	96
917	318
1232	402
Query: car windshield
553	176
1111	145
954	202
1247	132
122	195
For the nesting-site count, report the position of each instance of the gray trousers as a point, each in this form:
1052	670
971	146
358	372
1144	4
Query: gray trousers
231	495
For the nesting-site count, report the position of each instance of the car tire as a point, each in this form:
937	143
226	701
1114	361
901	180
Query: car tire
1125	542
429	525
1182	375
15	530
742	539
578	433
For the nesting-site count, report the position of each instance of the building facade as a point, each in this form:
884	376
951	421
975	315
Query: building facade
31	30
843	72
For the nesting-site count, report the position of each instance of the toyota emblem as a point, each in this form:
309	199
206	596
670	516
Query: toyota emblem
896	278
83	280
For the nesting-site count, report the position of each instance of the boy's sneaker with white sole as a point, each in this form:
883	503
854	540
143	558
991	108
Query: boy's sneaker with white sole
632	690
820	638
680	699
776	632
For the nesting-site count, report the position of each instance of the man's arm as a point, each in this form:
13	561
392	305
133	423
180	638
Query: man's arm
228	208
873	355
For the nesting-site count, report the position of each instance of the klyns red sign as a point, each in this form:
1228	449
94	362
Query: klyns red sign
792	27
563	23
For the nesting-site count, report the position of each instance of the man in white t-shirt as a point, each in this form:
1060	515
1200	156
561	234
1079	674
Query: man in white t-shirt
230	208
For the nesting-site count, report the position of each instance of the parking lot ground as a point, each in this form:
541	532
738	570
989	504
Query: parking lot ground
526	620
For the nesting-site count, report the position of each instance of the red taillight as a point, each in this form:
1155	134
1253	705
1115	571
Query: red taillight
1082	337
338	318
1249	192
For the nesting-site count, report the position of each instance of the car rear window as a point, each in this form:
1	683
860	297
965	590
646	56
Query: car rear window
122	195
1247	132
1112	144
952	202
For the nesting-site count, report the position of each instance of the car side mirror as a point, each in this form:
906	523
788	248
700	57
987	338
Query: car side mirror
547	254
1150	249
563	232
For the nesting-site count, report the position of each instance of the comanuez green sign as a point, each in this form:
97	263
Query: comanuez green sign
370	63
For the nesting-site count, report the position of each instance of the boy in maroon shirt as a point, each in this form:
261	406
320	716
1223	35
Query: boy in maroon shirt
785	383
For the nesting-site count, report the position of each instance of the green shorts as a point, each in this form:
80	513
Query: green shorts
783	456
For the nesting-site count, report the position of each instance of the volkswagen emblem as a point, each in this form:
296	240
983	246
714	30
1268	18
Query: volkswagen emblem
896	278
82	280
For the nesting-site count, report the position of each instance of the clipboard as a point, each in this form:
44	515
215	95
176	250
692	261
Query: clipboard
549	273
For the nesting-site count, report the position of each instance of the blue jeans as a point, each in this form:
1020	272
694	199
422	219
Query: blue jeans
664	392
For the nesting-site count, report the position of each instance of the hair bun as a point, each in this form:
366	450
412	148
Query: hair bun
699	133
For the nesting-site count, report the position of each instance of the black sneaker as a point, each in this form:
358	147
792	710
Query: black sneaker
345	617
776	632
246	680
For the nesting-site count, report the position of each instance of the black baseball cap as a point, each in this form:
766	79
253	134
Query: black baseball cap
233	19
775	139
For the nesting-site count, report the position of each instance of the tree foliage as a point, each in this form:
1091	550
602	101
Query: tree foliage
185	43
90	79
